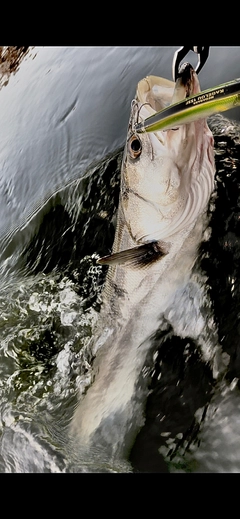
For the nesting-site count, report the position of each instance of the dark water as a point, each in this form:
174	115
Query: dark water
63	111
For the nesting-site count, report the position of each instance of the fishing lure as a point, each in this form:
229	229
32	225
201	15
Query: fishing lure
202	105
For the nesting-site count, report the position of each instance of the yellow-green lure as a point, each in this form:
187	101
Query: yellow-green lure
202	105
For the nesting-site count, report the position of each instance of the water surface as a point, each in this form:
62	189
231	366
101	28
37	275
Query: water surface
63	111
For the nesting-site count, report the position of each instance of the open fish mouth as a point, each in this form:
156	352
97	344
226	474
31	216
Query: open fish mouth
167	175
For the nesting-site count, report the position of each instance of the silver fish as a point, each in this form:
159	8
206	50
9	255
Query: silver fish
167	178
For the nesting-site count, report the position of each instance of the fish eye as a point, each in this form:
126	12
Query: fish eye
134	146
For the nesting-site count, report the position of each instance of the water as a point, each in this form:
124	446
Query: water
50	300
43	328
62	112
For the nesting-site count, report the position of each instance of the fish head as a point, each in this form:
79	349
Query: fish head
167	176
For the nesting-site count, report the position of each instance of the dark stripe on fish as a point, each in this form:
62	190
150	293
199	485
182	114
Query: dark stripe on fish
140	256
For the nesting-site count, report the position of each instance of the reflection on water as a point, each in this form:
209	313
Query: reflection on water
50	285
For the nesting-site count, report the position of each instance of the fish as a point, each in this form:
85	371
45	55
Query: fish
167	178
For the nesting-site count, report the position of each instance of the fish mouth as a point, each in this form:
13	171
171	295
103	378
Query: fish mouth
187	83
156	93
185	78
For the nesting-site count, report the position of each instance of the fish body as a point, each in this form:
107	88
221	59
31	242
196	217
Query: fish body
167	178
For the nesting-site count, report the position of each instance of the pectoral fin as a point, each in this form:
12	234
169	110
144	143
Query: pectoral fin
140	256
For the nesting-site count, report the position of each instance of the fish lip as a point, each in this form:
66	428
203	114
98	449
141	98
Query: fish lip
185	77
185	72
